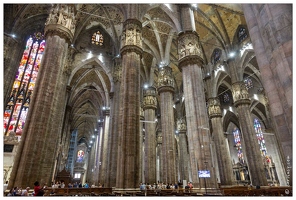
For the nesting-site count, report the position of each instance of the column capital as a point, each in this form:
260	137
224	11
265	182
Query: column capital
131	37
240	94
214	107
189	49
181	125
149	99
165	80
61	21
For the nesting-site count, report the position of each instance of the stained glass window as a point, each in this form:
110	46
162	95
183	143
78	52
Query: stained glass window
260	138
238	146
242	34
248	83
80	156
97	38
19	101
226	97
216	56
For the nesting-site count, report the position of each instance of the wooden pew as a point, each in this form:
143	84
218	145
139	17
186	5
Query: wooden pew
77	191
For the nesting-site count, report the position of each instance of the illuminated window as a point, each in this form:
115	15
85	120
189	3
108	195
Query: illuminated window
20	97
248	83
238	145
242	34
97	38
260	137
216	56
226	97
77	175
80	156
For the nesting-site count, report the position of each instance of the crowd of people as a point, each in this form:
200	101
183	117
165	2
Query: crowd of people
18	191
162	186
39	190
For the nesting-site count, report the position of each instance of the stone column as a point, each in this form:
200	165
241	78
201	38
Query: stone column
66	134
250	145
38	149
183	155
114	114
129	121
149	106
166	90
100	148
141	141
159	164
105	147
96	156
270	28
222	150
199	138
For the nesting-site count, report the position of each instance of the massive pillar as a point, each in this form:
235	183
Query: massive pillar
105	147
183	152
250	145
100	147
114	114
222	150
159	169
149	106
270	28
37	152
191	63
141	143
166	90
199	139
128	147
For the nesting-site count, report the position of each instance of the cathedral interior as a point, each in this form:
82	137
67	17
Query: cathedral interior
123	94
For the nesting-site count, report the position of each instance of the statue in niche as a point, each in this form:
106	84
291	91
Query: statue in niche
244	92
190	48
130	36
181	125
183	51
138	37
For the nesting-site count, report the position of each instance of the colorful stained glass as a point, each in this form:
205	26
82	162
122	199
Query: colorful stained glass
238	145
97	38
80	156
226	97
216	55
260	138
17	106
242	34
248	83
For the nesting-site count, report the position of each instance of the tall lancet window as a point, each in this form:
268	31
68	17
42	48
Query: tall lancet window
260	137
20	97
248	83
238	145
97	38
242	34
